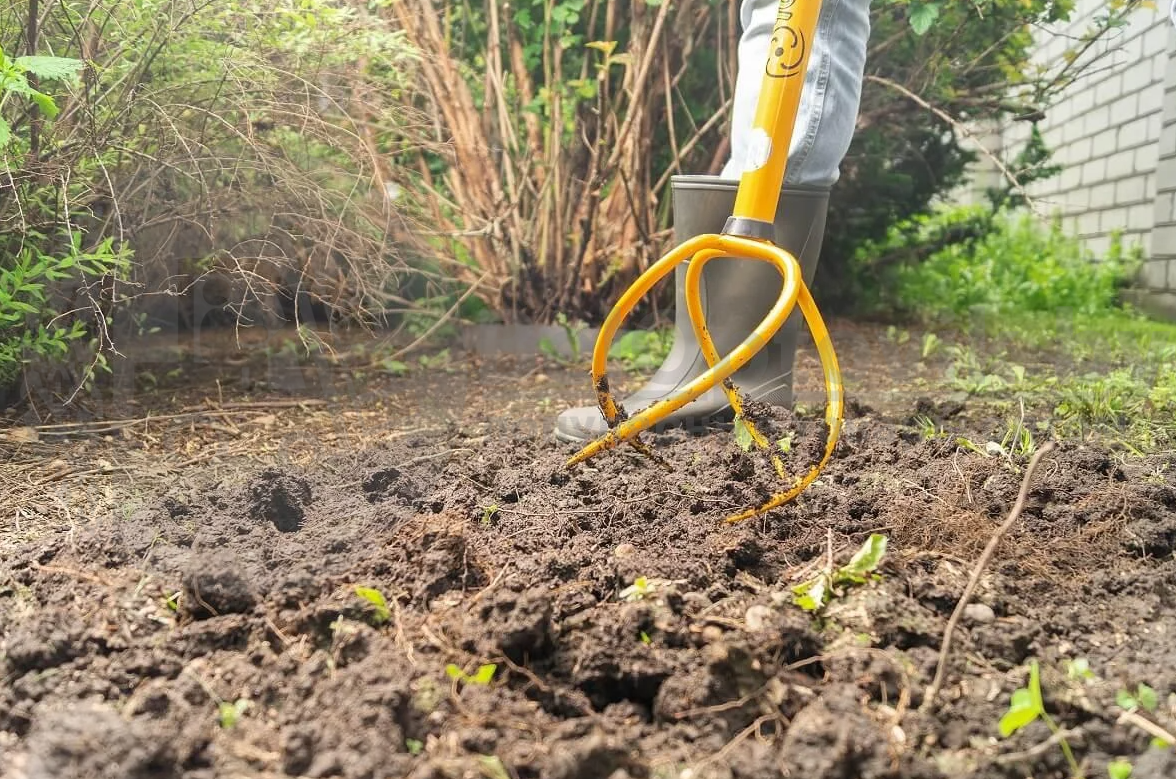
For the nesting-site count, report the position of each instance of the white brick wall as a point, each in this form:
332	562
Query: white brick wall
1160	273
1114	133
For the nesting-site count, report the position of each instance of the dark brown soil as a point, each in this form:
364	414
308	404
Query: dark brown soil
178	595
128	641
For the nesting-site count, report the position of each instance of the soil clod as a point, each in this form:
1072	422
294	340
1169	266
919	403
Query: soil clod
215	584
92	740
280	498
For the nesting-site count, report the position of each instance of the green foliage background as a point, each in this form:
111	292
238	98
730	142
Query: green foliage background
378	161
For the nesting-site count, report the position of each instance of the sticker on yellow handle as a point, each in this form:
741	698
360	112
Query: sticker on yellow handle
699	251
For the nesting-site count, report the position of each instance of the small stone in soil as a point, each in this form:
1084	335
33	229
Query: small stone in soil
757	618
979	613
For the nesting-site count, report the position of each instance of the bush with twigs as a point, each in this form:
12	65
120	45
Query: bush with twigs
225	161
380	161
566	119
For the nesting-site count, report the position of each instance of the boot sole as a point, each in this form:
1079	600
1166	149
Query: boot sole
721	416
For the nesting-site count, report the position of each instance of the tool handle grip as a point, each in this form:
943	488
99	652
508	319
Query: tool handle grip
787	62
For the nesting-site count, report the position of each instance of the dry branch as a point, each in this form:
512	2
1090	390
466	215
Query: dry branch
959	127
556	203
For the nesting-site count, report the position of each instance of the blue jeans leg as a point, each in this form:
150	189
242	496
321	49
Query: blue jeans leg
830	99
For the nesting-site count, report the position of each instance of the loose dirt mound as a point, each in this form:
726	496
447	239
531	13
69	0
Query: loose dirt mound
220	633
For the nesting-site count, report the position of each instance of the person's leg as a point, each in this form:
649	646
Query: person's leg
738	293
831	95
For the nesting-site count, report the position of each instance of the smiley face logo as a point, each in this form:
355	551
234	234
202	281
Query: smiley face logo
787	53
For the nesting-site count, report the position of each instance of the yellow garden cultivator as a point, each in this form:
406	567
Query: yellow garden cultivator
747	235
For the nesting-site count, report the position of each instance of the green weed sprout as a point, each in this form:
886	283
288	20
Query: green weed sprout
229	714
642	350
1079	670
812	595
1119	769
1144	697
572	333
483	676
638	590
931	343
1027	706
393	367
380	604
493	767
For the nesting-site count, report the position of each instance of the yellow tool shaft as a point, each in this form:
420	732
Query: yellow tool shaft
791	47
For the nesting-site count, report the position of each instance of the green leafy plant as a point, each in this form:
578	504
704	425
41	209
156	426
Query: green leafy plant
492	767
813	594
640	589
440	360
483	676
923	14
1119	768
393	367
743	438
1079	670
230	713
14	83
1137	404
927	427
379	604
642	350
930	345
1143	697
1027	706
644	587
258	137
414	746
897	336
959	262
30	327
572	332
958	63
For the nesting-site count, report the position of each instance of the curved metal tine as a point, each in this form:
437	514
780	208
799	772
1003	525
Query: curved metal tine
722	370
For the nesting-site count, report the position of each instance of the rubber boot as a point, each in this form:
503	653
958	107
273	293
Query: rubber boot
736	295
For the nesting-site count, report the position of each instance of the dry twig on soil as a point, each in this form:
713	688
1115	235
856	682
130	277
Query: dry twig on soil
1147	726
1032	753
977	572
97	427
